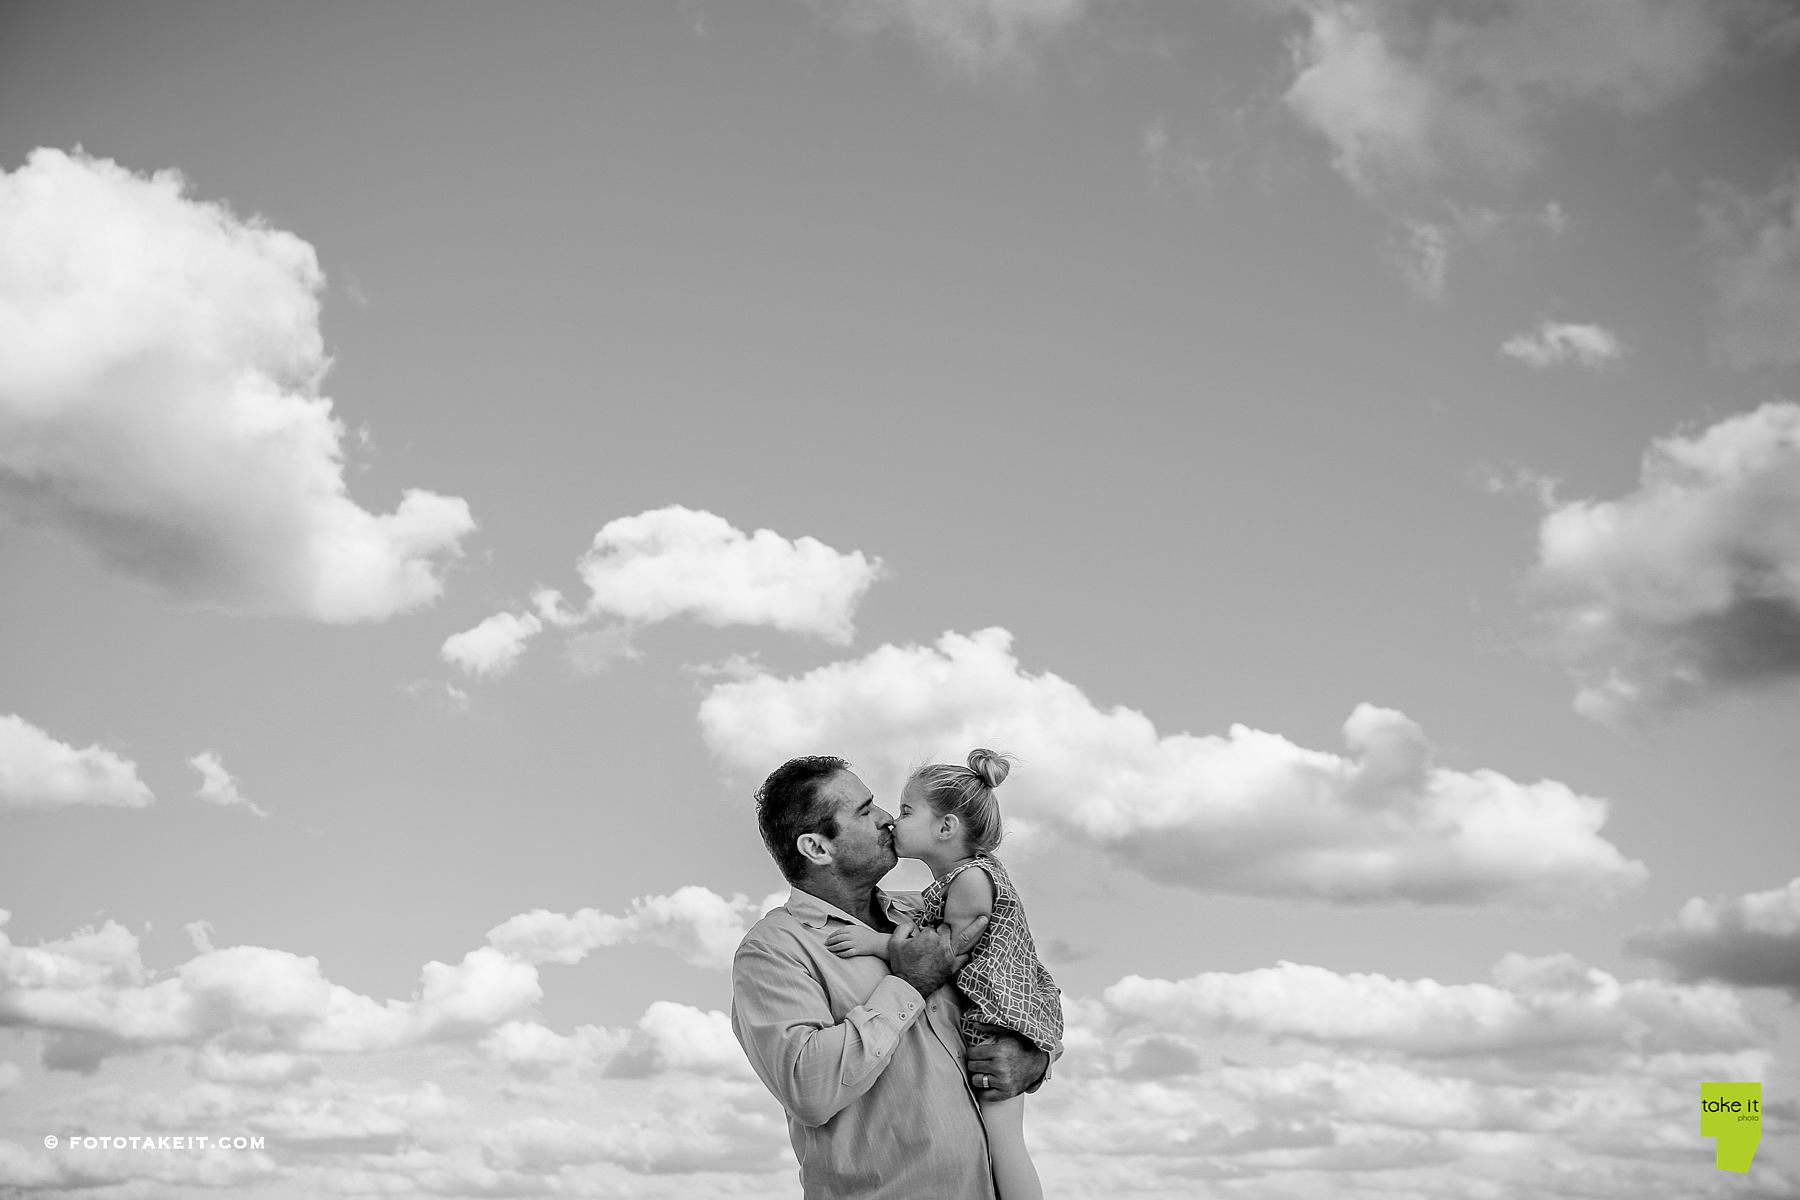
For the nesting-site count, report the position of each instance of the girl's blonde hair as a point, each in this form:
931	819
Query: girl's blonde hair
969	793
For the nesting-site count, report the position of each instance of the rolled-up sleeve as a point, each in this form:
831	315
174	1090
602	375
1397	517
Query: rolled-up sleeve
814	1063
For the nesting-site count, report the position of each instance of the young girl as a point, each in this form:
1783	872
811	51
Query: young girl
950	820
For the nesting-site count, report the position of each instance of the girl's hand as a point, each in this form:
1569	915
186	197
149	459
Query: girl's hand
854	941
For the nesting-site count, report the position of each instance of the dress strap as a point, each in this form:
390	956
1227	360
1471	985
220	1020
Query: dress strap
980	860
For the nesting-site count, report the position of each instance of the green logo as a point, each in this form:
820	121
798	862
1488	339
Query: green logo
1732	1112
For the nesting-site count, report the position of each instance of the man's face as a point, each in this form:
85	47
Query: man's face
864	846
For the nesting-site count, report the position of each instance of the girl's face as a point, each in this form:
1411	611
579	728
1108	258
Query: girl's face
915	826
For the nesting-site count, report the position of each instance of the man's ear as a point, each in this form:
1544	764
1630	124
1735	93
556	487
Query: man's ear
815	848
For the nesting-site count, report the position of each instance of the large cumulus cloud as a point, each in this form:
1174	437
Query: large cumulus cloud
1691	583
92	997
253	1011
1552	1079
1248	812
255	1041
160	366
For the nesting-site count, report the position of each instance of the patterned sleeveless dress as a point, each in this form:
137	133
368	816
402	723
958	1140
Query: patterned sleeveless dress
1004	981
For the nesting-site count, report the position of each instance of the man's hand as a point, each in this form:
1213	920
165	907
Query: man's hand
928	958
1006	1066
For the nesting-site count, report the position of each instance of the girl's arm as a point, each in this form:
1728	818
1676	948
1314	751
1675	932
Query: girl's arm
971	895
853	941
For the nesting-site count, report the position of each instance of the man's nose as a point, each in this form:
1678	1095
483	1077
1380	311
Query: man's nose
883	819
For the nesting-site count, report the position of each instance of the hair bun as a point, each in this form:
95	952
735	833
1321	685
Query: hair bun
990	766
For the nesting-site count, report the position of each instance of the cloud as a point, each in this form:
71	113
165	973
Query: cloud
1412	95
701	926
678	562
688	1128
1175	164
160	364
1550	1078
1752	941
200	934
597	649
355	1095
535	1051
1688	585
1553	1079
93	998
1248	813
1757	281
1536	1007
216	784
677	1037
1428	108
254	1070
1424	257
1553	343
37	771
492	647
674	561
974	36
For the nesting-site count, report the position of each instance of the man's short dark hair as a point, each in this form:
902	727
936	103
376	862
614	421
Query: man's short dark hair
788	805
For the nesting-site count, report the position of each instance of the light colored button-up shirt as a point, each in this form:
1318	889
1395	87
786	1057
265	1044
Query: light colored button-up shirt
870	1072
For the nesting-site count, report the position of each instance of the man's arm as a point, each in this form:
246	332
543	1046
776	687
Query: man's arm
814	1064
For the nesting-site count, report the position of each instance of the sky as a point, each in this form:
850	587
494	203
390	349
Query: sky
1349	450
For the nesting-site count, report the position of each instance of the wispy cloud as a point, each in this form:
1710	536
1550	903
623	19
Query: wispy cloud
1757	280
1431	110
1691	583
977	37
694	922
160	364
37	771
1248	812
1553	343
217	785
1411	96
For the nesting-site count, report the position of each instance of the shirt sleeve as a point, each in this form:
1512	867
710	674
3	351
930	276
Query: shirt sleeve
814	1064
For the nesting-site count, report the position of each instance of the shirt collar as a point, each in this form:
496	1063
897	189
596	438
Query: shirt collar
813	912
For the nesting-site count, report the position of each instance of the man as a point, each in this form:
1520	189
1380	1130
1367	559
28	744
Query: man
878	1087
